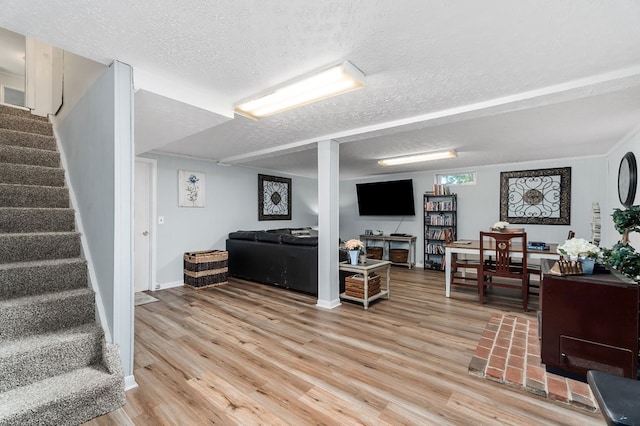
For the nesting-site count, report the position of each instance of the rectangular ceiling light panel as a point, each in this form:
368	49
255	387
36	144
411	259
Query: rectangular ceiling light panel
325	84
418	158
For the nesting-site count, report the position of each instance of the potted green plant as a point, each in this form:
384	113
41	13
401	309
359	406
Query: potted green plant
622	257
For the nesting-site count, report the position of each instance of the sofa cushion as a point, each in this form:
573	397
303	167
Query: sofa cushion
268	237
299	240
301	231
243	235
279	231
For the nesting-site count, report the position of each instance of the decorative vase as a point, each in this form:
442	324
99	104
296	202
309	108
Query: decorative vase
588	264
353	256
363	259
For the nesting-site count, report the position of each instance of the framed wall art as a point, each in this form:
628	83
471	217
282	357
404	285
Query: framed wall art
190	189
540	197
274	198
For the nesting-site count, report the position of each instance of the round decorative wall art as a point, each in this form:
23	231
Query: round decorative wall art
627	179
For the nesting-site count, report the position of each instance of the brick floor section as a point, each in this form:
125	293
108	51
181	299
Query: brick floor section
509	352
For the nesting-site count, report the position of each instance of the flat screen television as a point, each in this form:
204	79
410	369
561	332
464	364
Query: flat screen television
391	198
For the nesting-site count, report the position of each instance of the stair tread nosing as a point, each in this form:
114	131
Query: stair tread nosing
21	112
32	175
25	155
44	313
20	279
24	124
36	219
38	245
28	140
12	195
40	263
83	383
27	344
43	299
30	359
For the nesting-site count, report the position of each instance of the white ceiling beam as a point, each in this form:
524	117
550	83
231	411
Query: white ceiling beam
575	89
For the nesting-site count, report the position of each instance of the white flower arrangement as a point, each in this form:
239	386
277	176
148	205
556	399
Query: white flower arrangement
354	245
500	226
578	247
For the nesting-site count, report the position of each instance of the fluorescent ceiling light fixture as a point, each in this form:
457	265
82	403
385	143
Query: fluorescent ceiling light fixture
418	158
327	83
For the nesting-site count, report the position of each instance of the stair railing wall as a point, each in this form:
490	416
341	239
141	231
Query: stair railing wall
96	144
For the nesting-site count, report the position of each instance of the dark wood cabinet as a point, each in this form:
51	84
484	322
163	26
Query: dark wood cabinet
590	322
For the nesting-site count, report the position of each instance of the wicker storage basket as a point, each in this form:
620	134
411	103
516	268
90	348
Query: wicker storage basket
354	285
374	252
205	268
398	255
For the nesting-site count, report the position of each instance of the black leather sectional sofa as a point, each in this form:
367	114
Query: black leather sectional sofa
282	257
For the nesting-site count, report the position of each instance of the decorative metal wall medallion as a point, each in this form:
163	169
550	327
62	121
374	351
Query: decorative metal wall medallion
536	196
274	198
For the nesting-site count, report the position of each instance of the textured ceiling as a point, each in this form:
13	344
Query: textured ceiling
491	79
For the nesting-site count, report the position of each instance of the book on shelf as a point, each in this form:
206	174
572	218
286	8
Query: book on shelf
441	220
440	189
438	206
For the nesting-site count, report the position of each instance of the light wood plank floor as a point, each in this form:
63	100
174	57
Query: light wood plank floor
245	354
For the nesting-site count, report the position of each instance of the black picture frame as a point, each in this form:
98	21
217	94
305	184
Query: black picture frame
274	198
541	197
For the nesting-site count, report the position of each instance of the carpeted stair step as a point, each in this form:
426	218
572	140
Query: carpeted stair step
39	246
12	195
27	140
44	313
27	219
25	361
26	174
20	112
24	124
68	399
21	155
22	279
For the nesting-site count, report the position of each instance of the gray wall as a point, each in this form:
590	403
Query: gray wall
478	205
231	199
96	139
87	138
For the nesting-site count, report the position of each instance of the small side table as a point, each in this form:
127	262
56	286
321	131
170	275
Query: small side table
364	269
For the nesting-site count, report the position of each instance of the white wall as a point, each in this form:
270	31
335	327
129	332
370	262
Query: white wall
12	81
79	73
231	199
479	205
610	235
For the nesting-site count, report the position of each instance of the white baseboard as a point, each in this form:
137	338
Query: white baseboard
330	304
164	286
130	383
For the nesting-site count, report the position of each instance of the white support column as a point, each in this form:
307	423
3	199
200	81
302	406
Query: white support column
328	218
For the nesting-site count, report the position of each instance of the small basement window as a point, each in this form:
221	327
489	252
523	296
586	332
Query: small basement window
460	178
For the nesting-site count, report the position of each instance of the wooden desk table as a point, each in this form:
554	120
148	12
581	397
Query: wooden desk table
473	247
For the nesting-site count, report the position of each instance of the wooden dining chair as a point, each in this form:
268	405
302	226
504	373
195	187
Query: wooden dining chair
500	271
458	263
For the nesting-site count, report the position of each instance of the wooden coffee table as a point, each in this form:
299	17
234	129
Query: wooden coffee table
365	269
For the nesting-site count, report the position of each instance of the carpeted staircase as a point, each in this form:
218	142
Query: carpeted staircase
55	366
